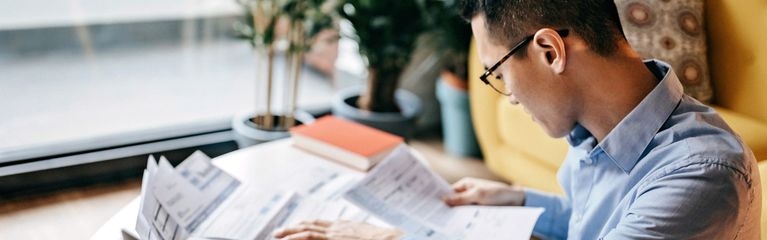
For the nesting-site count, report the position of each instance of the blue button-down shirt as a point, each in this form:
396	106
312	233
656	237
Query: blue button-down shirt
671	169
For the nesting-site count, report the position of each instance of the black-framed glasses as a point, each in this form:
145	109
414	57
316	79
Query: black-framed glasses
499	85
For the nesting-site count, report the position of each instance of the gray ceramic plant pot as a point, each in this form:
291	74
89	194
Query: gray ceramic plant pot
247	134
402	123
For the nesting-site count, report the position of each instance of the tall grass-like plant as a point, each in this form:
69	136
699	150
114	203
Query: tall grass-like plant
260	26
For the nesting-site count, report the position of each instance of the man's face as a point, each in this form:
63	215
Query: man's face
530	80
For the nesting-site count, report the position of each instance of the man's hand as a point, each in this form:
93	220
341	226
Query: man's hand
340	230
485	192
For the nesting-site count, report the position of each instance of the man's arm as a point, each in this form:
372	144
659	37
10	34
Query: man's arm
700	201
553	223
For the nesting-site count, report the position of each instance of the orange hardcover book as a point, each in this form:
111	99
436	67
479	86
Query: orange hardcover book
346	142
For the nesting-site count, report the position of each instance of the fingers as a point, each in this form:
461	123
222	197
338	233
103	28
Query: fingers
460	199
321	223
464	193
463	184
305	230
484	192
286	232
306	236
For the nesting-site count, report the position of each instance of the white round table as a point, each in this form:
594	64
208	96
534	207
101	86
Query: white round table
268	164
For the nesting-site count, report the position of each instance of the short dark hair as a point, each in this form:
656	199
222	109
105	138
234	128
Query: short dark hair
507	21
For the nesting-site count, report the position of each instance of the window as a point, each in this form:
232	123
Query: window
125	78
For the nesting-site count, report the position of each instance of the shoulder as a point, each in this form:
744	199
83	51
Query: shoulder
695	136
696	150
714	189
695	167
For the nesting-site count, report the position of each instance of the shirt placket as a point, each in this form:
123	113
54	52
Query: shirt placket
584	183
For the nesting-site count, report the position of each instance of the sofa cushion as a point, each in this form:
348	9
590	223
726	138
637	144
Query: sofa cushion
518	130
522	169
738	55
672	31
751	131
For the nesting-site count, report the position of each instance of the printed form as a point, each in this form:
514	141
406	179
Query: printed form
197	200
175	202
405	193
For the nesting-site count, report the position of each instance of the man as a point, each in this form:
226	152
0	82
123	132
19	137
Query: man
645	160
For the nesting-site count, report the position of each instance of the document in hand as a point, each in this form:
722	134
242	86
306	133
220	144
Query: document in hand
405	193
199	200
346	142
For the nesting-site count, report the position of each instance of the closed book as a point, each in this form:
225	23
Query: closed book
349	143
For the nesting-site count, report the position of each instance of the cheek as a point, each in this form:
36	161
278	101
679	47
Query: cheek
519	73
517	85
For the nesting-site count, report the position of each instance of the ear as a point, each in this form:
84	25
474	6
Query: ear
550	49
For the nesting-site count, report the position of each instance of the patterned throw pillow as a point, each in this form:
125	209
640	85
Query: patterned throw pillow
672	31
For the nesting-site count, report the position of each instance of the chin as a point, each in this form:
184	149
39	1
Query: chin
555	132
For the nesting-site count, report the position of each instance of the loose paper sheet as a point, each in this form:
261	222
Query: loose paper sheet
405	193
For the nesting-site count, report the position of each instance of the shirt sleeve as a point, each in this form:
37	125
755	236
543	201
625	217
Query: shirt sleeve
553	223
699	201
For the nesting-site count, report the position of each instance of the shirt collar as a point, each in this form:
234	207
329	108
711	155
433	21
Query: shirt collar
578	135
626	142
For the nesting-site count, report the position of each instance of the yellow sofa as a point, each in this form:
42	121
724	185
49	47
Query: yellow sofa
518	150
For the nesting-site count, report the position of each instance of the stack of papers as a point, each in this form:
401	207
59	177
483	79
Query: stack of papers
197	200
175	202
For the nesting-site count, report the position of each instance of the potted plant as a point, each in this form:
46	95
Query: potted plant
281	29
448	40
385	32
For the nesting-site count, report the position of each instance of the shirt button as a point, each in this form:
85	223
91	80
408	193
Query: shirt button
588	161
578	217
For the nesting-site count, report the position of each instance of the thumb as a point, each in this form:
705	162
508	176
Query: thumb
463	198
462	185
